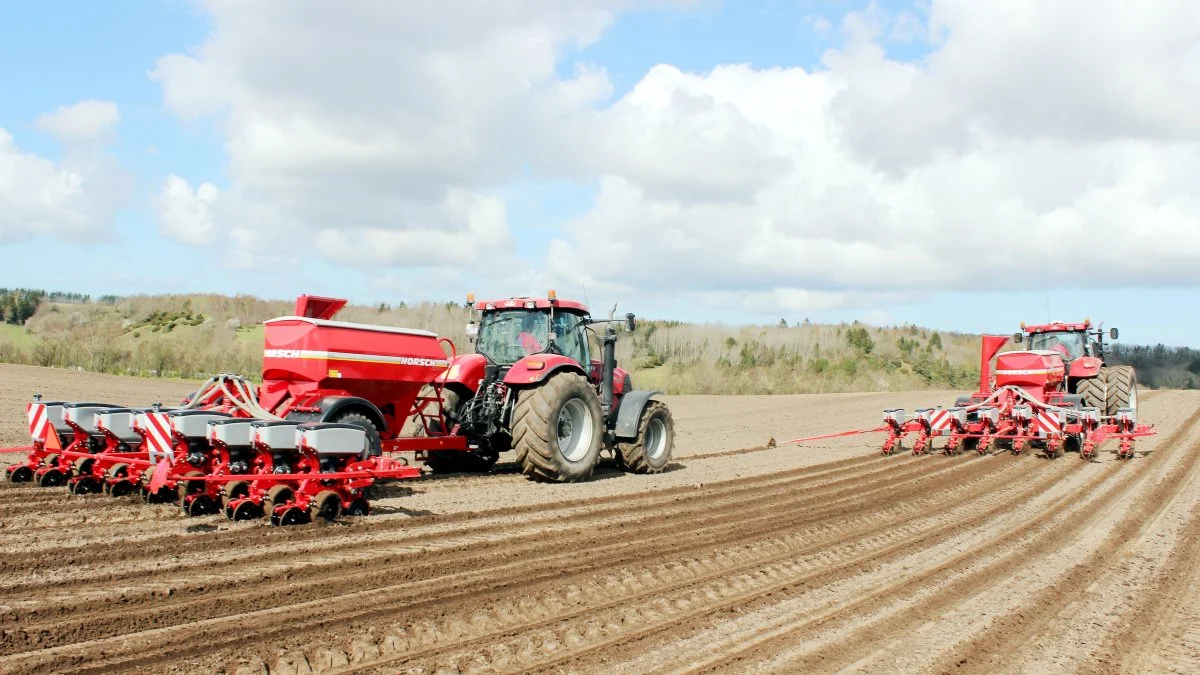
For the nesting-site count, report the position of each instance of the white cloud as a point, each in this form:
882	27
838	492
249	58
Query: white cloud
74	197
378	130
1036	144
84	121
186	214
1024	152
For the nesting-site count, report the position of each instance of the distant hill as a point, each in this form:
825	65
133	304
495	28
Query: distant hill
197	335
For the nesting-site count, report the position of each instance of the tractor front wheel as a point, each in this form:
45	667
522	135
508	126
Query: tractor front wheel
651	451
1122	389
556	429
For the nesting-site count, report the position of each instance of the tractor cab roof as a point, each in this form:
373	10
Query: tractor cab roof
530	303
1057	327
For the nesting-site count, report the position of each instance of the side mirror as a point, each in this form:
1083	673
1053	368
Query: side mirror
629	323
1113	333
472	329
1018	338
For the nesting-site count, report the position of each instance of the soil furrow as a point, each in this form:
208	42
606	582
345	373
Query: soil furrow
817	554
423	540
905	607
596	542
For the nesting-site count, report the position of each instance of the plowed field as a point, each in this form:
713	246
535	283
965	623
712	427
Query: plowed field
739	558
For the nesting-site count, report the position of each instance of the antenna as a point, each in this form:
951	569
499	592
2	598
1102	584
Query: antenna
585	297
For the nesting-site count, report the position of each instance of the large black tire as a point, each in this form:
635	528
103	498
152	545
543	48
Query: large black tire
1122	389
374	444
651	451
556	429
1094	390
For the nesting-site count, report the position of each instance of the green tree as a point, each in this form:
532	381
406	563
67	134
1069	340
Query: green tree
858	338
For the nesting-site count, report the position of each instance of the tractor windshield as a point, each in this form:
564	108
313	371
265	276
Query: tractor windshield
1069	344
507	336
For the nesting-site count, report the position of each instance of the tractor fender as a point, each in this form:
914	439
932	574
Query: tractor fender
629	412
1086	366
332	407
538	367
466	370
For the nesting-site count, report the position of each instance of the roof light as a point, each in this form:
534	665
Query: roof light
551	295
530	304
489	306
1022	325
470	298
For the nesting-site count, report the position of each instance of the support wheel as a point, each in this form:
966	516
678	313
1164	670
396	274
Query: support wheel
327	505
20	474
51	478
556	429
358	507
200	505
651	452
235	489
291	515
374	444
190	487
277	495
119	488
243	510
86	485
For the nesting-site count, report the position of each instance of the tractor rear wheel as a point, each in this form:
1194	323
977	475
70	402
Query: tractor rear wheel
651	451
374	445
1122	389
1094	390
556	429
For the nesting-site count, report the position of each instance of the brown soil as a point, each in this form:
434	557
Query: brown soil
740	558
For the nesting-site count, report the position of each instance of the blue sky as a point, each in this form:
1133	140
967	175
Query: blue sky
57	52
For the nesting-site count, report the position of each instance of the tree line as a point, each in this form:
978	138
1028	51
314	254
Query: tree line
1159	366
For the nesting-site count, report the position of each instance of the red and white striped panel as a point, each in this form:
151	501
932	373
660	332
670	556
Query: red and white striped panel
1046	423
940	421
39	421
157	427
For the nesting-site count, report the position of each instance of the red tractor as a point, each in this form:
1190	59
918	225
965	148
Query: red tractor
1056	393
1107	388
532	386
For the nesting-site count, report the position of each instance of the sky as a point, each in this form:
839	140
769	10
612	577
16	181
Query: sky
958	164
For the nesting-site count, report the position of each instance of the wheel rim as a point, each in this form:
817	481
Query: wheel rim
574	430
656	438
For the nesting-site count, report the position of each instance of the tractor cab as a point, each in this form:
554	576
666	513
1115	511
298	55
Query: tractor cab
1080	346
511	330
1069	340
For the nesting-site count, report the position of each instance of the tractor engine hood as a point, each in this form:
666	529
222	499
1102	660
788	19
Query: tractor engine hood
1032	370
